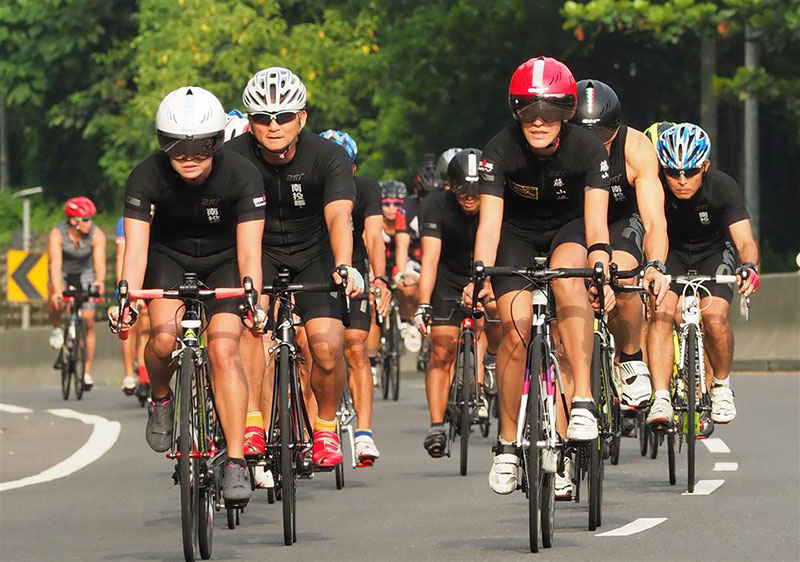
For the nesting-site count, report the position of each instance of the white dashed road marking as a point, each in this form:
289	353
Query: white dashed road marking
726	466
103	437
11	409
637	526
704	487
715	445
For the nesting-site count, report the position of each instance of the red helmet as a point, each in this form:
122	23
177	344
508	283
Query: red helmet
542	87
79	207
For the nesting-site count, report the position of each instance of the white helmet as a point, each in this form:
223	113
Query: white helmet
190	121
273	90
237	125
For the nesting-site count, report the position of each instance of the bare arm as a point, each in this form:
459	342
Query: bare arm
54	257
595	212
742	235
134	263
337	217
99	258
373	239
488	235
402	242
642	166
118	260
248	249
431	251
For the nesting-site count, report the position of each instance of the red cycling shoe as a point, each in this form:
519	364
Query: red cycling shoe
255	442
327	451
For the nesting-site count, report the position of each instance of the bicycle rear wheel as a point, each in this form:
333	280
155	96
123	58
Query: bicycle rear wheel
287	424
187	466
79	356
208	492
691	392
467	381
595	446
644	434
671	457
66	379
339	470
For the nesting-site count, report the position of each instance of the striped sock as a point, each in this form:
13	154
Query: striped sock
324	425
360	432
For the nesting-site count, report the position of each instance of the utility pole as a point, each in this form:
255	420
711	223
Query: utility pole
708	103
26	239
751	156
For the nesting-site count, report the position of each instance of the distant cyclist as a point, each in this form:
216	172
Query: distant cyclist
710	233
208	220
369	255
636	225
442	163
77	256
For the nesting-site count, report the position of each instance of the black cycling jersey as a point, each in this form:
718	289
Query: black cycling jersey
195	220
443	218
699	225
368	204
622	195
411	211
297	192
542	194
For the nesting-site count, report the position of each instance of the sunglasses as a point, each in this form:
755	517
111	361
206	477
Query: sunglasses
266	118
548	109
82	219
184	150
392	202
689	172
467	189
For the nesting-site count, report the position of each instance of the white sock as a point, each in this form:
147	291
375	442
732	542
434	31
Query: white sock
662	394
581	399
723	382
504	442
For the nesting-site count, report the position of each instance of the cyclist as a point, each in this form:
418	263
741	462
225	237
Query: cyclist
369	254
77	256
133	346
393	193
449	222
709	228
540	179
635	222
308	182
441	165
208	219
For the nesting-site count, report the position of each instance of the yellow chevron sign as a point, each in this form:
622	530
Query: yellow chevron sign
26	276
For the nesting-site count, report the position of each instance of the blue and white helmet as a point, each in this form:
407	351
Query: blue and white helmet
344	140
683	146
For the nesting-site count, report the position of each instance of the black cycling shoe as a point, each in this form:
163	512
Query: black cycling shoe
435	442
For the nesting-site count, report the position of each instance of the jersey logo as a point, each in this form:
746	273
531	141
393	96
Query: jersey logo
704	217
213	215
604	169
558	182
526	191
486	166
133	201
260	201
616	191
209	202
297	195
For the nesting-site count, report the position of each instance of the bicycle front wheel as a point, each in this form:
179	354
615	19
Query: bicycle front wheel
79	358
595	451
187	466
394	372
534	427
66	379
287	425
467	377
691	392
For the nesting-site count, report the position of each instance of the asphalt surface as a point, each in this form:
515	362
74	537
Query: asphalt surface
123	506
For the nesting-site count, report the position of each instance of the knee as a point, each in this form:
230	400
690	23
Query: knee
325	356
356	353
442	355
162	344
716	326
569	290
224	356
512	342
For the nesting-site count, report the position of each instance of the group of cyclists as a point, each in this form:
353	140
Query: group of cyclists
234	195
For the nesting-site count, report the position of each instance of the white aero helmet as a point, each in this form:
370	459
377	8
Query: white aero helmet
273	90
190	123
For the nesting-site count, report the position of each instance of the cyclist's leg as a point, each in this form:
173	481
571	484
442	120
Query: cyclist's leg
141	335
301	340
355	339
437	379
719	336
91	337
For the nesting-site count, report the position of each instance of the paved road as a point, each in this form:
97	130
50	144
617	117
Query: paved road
123	506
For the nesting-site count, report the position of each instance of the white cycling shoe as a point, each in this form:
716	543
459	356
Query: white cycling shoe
582	421
57	338
564	487
723	410
504	474
88	382
263	477
128	385
661	412
636	387
366	451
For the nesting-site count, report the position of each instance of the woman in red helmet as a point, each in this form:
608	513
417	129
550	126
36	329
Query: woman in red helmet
77	256
544	192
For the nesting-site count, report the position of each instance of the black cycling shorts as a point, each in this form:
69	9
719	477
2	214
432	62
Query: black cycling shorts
518	250
627	235
360	310
446	311
165	269
308	266
719	262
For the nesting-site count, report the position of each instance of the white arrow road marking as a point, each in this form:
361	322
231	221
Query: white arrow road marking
103	437
11	409
726	466
704	487
715	445
637	526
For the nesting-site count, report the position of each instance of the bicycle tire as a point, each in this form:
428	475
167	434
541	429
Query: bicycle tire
339	470
66	375
231	513
386	354
187	466
287	454
691	420
653	444
208	486
548	509
394	373
671	457
644	435
467	381
595	452
79	363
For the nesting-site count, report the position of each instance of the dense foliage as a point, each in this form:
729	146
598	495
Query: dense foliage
83	78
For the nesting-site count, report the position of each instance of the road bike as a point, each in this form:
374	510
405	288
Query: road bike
197	441
71	360
390	349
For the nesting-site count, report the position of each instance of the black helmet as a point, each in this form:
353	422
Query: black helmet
463	171
393	189
427	179
599	110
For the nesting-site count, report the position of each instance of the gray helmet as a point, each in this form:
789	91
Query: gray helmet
444	161
393	189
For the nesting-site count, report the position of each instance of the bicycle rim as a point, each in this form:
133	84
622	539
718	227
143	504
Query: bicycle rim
691	391
534	431
207	494
187	466
467	381
595	452
66	379
79	365
287	452
671	457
